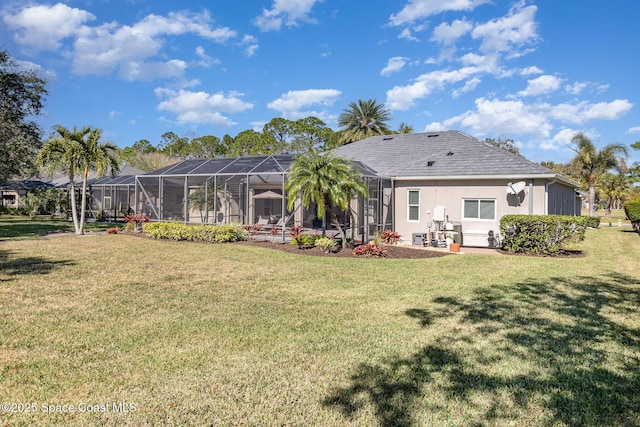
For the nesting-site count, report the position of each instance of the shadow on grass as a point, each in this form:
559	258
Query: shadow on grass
24	227
563	349
10	267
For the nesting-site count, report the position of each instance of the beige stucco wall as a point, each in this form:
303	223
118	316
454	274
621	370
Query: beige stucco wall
450	195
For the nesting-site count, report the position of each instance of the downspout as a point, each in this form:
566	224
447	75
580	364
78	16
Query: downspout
546	195
393	204
531	197
185	207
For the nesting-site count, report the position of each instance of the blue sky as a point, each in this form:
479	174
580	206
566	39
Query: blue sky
535	71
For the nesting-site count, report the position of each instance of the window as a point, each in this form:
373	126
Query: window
413	205
479	209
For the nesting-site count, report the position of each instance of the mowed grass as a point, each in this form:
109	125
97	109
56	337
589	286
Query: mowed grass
23	227
230	334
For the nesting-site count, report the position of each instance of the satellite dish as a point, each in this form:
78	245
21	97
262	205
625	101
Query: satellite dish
515	187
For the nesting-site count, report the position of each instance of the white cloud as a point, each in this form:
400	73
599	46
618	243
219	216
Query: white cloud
205	60
503	34
541	85
496	117
561	139
449	33
434	127
515	117
416	10
576	88
635	129
298	99
285	12
530	71
404	97
148	71
585	111
394	65
408	35
250	44
469	86
201	107
488	63
111	47
43	27
103	49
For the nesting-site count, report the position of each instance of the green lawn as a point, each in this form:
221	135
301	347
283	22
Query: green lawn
229	334
14	226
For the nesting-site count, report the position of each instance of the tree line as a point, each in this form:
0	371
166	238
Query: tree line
603	173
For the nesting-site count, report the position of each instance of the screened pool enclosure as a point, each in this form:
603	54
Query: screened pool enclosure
250	190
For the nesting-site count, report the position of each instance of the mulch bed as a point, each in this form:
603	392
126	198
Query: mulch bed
392	252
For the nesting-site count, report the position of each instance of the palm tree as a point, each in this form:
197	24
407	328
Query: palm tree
362	120
614	188
330	182
405	128
79	151
589	164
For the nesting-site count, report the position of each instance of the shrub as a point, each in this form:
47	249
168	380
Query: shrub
389	237
137	220
326	244
274	231
632	210
370	249
540	234
592	221
195	233
253	230
299	238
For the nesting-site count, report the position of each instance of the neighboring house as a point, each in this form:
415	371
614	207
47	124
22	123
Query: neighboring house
450	176
111	197
12	191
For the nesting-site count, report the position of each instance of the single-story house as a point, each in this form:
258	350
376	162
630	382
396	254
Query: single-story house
12	191
450	177
429	187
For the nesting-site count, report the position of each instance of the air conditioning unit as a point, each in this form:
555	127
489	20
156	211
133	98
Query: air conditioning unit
481	238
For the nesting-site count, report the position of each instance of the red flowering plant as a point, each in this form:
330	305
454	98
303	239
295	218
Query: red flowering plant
370	249
254	230
299	238
389	237
137	220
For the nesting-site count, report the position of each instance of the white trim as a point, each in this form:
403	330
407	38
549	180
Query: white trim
557	177
410	205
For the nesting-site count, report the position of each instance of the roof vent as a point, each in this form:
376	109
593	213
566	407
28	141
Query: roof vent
450	153
387	138
430	163
433	135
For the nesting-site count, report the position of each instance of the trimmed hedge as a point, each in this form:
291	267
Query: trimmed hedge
195	233
541	234
592	221
632	210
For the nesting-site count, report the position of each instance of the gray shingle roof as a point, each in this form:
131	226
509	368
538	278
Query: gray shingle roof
438	154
